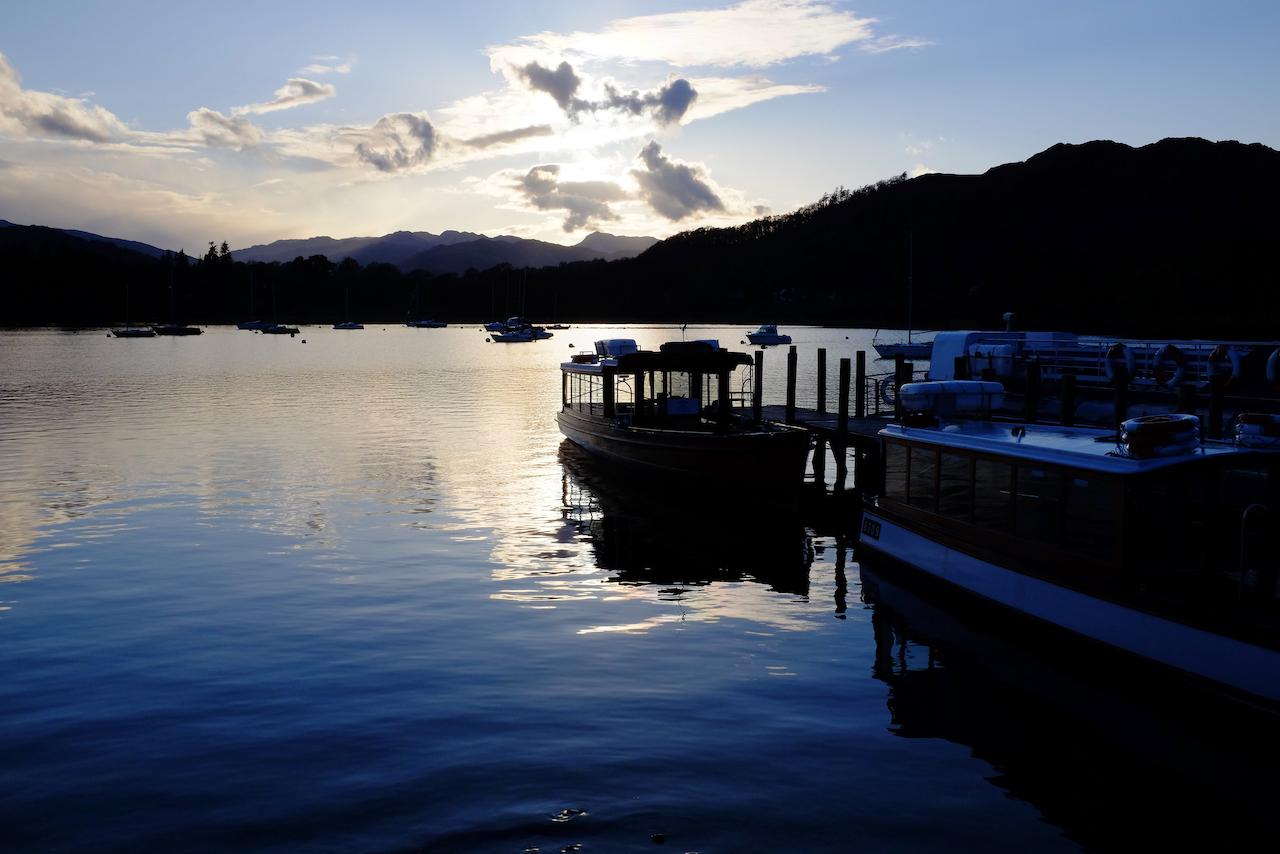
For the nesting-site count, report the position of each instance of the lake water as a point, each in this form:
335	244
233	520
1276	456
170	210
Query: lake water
355	595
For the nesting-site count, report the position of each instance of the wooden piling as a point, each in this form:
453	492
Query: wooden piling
899	368
840	446
860	403
1068	400
1121	379
1217	382
1031	393
757	403
820	463
791	385
822	379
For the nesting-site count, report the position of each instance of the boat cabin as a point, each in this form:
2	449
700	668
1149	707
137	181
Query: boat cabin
1184	536
686	385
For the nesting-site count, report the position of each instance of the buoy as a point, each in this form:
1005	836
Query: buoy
304	341
570	346
488	340
1116	354
1169	379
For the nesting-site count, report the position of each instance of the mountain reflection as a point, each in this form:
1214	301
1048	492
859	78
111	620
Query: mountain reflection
1114	758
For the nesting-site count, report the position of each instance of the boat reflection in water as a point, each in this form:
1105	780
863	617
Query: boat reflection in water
643	533
1116	758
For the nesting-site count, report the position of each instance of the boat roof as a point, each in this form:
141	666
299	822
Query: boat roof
1075	447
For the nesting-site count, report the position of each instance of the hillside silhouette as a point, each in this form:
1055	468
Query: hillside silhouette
1171	238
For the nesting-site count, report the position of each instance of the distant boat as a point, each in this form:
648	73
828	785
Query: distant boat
908	349
255	325
519	336
134	332
768	334
560	326
426	324
348	324
177	329
279	329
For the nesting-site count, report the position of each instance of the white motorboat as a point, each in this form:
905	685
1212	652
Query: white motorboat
768	334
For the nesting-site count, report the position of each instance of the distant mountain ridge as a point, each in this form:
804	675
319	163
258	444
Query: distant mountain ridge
134	245
449	251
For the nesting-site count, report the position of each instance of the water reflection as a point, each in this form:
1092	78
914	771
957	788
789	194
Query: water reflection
1116	758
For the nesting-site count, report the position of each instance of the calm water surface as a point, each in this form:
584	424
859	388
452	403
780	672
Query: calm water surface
354	594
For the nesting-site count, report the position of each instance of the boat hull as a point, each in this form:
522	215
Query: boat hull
907	351
772	461
763	340
178	330
1241	668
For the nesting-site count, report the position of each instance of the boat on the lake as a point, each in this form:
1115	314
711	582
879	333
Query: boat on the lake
348	324
254	325
134	332
671	412
279	329
426	324
768	334
521	336
177	329
910	350
1149	540
557	326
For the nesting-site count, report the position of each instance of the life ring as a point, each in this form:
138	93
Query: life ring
1224	355
1161	428
888	391
1273	369
1169	353
1117	353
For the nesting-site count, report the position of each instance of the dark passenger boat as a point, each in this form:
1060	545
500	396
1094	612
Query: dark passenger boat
1150	540
671	412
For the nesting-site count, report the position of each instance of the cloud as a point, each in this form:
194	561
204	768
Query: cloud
673	189
584	202
754	33
328	65
395	143
294	93
667	105
505	137
218	131
26	112
884	44
921	169
561	84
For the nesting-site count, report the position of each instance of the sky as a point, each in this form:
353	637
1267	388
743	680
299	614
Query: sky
182	123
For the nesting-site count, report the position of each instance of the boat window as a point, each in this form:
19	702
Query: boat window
955	486
895	471
1091	519
924	478
1038	505
992	494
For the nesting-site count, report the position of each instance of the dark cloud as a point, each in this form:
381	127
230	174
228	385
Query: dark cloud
397	141
504	136
585	203
561	84
667	105
219	131
675	190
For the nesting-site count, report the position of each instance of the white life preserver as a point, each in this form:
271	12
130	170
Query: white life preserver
1160	435
888	392
1115	354
1224	355
1169	353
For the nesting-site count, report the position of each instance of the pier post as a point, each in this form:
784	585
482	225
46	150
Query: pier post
1068	400
791	385
961	369
1216	384
840	446
860	403
609	376
820	463
725	408
1121	378
757	403
822	379
1031	394
899	367
1187	398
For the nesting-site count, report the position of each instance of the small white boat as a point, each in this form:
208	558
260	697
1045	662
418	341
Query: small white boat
768	334
426	324
520	336
913	350
348	324
134	332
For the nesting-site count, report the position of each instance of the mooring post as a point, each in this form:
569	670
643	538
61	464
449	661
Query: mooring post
822	379
961	369
1031	396
1216	384
791	385
1187	398
840	447
860	403
1068	400
1121	375
899	366
820	462
757	402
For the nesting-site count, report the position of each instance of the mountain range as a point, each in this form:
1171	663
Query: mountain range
145	248
449	251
